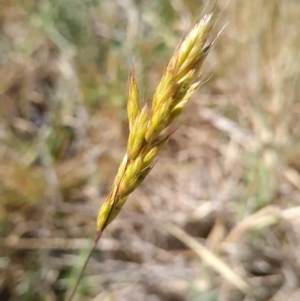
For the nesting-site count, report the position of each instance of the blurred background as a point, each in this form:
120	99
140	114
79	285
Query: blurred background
217	218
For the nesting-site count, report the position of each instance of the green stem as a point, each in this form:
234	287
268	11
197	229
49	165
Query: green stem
97	238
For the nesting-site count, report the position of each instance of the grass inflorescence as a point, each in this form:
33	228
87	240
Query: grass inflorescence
149	124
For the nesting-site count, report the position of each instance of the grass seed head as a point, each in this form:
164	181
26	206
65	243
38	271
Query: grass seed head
179	81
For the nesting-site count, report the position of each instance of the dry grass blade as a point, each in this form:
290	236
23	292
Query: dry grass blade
209	258
265	217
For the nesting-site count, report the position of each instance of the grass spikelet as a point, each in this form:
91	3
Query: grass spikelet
137	134
133	103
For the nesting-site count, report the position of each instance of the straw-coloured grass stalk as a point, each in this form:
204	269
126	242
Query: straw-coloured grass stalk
148	125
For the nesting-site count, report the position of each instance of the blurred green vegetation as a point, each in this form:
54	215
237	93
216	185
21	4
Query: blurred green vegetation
63	90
